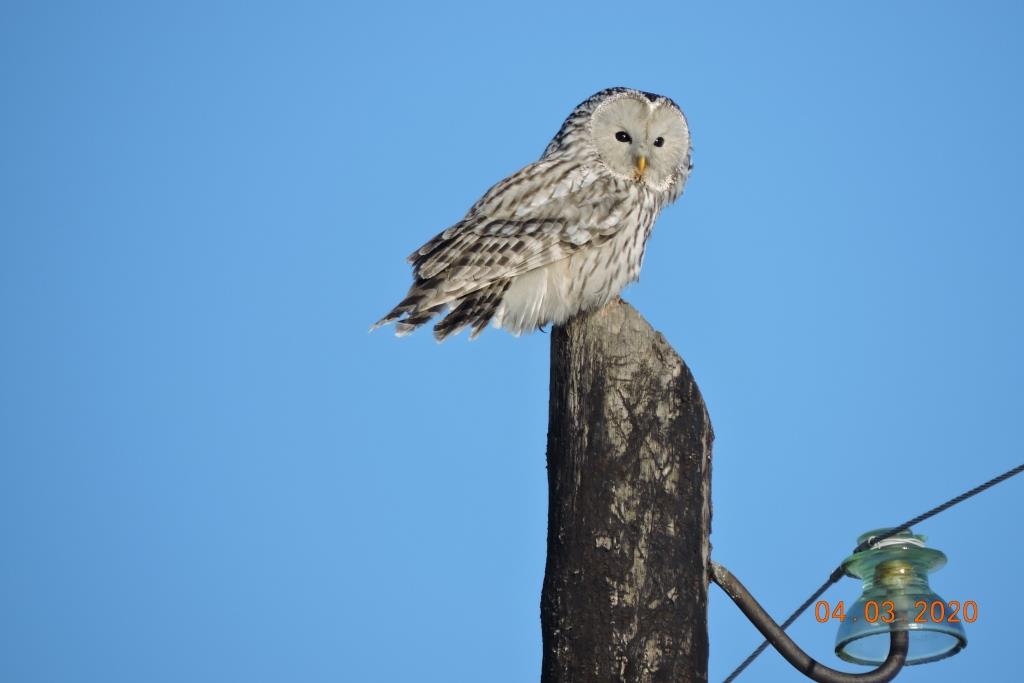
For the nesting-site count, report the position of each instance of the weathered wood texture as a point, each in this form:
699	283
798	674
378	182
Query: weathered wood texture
629	476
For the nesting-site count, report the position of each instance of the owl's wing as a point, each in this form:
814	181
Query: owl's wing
542	214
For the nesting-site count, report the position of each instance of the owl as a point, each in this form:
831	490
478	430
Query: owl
563	235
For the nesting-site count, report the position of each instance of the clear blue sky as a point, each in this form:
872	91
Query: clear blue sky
209	471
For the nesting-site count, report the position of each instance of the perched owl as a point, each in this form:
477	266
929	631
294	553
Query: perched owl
563	235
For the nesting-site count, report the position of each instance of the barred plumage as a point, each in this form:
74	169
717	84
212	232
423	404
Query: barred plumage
563	235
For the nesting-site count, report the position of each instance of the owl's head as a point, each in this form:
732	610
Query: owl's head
636	135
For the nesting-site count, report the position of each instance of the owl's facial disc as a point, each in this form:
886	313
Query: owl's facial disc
641	140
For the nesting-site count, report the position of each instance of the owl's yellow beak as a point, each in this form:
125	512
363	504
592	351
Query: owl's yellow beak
641	164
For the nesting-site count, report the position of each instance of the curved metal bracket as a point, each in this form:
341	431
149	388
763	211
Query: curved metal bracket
816	671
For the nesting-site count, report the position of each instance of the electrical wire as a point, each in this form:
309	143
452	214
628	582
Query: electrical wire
839	572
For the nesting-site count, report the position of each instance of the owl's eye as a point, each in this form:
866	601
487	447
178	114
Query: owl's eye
658	142
623	136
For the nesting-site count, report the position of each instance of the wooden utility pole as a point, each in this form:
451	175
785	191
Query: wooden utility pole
629	477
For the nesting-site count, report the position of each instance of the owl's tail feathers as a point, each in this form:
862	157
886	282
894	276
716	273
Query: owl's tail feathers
475	309
410	322
416	309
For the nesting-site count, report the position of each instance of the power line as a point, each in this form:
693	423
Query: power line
839	572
